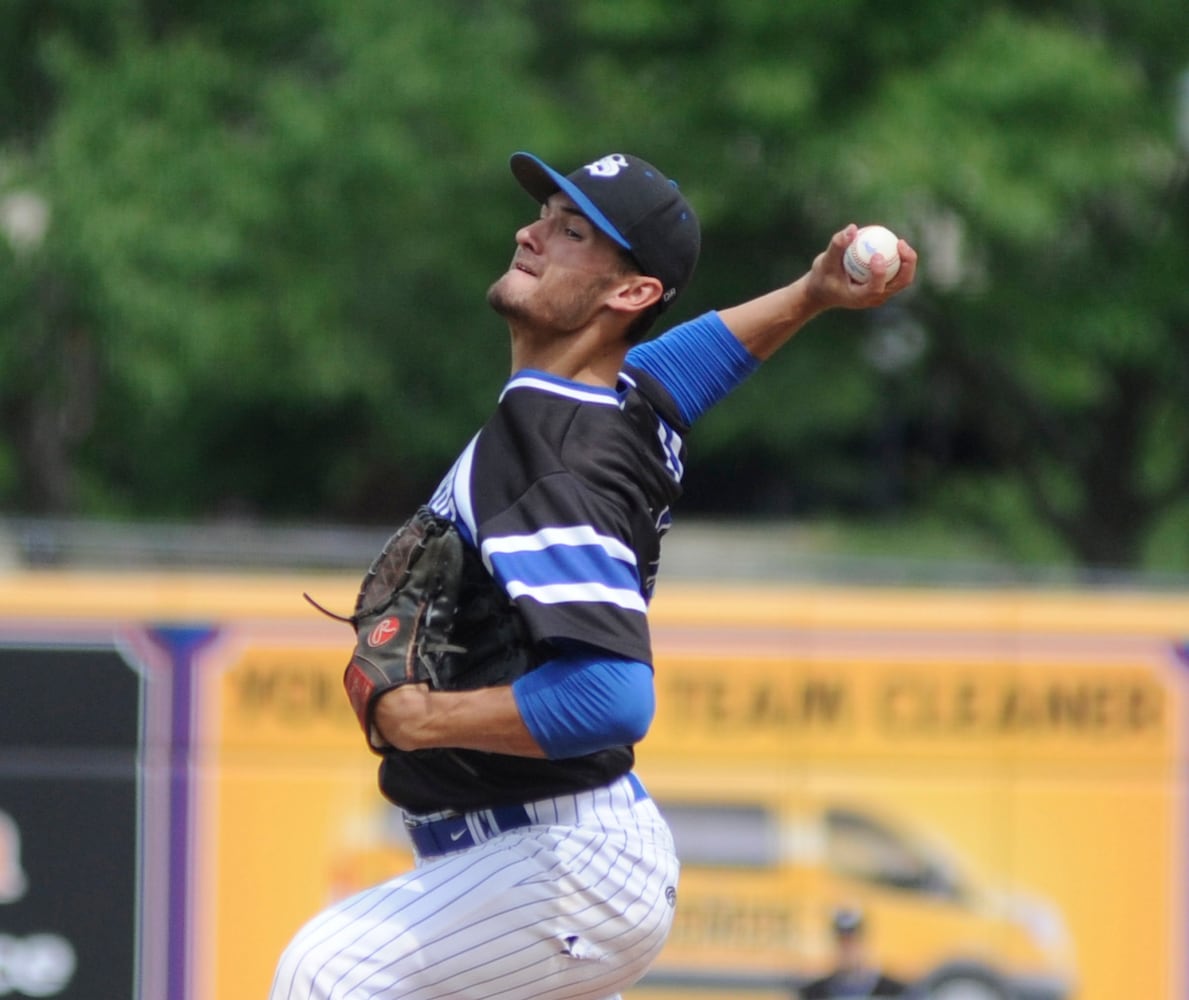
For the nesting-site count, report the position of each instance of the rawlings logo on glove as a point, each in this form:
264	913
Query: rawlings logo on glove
384	632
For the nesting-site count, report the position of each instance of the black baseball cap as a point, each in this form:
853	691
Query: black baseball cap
634	204
847	920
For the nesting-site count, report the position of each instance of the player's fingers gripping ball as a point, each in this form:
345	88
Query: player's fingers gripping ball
869	241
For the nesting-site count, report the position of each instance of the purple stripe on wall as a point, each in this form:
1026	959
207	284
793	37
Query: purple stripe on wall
183	643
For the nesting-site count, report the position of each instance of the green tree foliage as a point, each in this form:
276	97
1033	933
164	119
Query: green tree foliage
270	227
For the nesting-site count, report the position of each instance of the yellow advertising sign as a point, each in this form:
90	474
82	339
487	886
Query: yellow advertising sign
994	779
963	780
769	707
1002	803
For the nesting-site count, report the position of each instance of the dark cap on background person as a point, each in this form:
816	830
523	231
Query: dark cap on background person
847	920
634	204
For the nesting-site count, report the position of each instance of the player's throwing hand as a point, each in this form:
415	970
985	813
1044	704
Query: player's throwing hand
831	285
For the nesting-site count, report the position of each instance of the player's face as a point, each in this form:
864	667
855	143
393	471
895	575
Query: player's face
851	956
561	271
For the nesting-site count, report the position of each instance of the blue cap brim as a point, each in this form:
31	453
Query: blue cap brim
541	180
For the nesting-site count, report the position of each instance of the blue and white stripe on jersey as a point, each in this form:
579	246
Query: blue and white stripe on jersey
557	565
561	387
672	446
452	498
664	522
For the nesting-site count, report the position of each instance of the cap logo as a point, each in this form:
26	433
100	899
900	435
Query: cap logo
608	166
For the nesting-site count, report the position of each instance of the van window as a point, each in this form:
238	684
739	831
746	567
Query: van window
861	847
736	836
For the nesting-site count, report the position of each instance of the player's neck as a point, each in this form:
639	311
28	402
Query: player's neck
590	356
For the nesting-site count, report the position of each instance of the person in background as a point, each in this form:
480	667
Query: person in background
853	976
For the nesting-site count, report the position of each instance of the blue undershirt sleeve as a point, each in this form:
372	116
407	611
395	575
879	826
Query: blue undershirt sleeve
585	701
698	362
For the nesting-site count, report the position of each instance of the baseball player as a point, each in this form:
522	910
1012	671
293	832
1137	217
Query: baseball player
544	870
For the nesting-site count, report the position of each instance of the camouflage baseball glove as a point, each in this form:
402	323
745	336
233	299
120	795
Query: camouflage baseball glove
429	613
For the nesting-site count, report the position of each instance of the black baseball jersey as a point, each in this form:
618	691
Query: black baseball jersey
564	494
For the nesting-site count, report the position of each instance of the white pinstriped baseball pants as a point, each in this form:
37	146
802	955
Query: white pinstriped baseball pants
574	907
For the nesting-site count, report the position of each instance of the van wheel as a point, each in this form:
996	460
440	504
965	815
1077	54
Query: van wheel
964	988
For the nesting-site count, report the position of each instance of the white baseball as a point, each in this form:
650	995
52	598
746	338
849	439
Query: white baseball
869	241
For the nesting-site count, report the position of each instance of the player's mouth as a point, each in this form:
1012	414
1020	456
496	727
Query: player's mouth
519	265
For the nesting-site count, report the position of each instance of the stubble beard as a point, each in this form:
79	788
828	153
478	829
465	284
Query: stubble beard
502	301
563	311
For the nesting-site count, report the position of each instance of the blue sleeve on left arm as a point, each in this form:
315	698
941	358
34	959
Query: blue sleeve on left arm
698	362
586	701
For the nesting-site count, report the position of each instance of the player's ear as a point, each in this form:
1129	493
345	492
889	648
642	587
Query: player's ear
634	293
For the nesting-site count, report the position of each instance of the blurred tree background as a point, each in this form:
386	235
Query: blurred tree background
244	247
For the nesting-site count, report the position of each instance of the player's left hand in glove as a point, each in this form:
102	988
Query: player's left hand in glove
404	615
429	613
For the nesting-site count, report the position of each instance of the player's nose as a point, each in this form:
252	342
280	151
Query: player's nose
529	236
